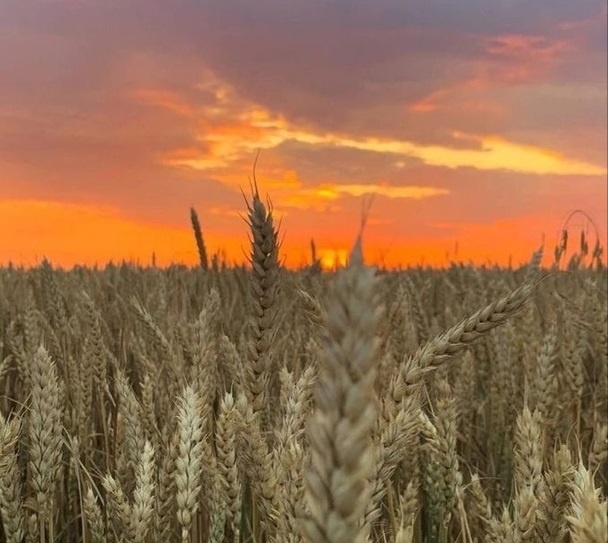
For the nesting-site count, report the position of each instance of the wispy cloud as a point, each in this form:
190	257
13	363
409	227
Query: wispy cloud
324	196
410	192
164	99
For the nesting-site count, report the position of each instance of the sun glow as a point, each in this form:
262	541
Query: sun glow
332	259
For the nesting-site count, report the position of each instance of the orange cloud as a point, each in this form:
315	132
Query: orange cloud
411	192
519	46
521	58
232	128
285	180
252	128
510	59
431	102
465	97
321	197
496	154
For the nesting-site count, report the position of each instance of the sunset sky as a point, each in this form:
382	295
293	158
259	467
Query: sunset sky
478	125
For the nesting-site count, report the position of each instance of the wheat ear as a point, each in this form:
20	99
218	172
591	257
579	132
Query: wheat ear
337	481
11	499
198	236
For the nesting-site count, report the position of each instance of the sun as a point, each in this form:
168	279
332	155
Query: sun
332	259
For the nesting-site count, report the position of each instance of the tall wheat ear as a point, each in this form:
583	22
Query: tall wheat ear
337	479
198	237
265	267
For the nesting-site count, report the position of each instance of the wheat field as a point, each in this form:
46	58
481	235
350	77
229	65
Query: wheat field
258	404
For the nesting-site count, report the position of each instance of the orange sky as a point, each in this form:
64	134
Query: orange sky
477	132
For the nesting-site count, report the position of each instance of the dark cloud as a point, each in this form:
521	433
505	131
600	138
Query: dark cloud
316	62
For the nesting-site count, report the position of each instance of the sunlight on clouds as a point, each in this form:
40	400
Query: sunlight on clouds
286	181
333	192
412	192
230	130
326	193
496	154
251	128
322	196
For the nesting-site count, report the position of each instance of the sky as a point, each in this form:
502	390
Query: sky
477	126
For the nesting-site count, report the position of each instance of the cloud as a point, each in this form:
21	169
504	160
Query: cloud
411	192
164	99
147	108
326	197
522	59
225	144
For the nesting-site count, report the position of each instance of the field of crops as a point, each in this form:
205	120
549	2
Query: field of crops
258	404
